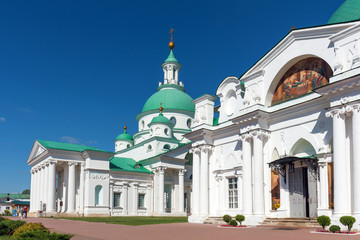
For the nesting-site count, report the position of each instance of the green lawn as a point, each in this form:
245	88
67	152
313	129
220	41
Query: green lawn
132	221
5	237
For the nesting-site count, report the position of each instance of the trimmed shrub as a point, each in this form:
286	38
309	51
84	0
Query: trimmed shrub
233	223
2	219
29	227
6	213
324	221
227	218
348	221
334	228
9	227
240	218
40	234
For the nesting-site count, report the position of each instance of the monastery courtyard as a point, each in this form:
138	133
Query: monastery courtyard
176	231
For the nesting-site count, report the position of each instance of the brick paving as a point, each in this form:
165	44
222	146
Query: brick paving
177	231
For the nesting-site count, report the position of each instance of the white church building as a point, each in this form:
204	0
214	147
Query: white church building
283	143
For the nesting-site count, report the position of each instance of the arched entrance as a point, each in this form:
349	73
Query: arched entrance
301	168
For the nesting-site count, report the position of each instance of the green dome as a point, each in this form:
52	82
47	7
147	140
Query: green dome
124	136
171	57
348	11
171	99
160	119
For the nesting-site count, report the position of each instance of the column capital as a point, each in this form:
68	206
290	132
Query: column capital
340	112
246	137
260	133
182	171
161	169
72	163
195	150
322	164
206	148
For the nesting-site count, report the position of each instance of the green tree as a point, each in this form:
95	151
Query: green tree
26	191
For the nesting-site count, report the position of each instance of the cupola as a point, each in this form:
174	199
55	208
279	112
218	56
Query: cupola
161	126
123	141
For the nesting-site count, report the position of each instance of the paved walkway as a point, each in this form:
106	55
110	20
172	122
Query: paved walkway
177	231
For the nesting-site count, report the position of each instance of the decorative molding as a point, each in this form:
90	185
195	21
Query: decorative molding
340	112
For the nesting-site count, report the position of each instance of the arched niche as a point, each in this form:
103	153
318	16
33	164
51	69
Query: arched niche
298	77
230	162
302	148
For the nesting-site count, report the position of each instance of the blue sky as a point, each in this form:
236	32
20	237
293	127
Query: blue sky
75	71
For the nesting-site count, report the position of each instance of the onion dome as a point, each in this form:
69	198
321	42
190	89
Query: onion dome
348	11
124	136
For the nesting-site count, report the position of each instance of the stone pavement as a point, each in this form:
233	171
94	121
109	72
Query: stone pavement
177	231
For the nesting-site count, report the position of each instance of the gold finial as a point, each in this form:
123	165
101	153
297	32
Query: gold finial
125	127
161	108
171	43
292	28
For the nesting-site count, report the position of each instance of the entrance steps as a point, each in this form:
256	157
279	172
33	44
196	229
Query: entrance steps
214	220
290	222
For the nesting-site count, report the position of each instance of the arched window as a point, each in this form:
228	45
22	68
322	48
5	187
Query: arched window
142	125
167	146
98	195
166	131
149	147
188	123
173	120
302	78
128	146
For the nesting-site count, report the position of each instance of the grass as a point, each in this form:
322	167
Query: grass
5	237
131	221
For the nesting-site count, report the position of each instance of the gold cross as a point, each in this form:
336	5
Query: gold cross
171	32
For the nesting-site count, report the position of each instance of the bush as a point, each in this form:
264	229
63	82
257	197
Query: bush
2	219
7	213
233	223
348	221
334	228
227	218
9	227
324	221
240	218
40	234
29	227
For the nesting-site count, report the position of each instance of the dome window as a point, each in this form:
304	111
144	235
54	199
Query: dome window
188	123
166	131
149	147
142	125
128	146
167	146
173	120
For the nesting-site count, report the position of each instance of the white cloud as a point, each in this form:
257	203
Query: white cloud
27	110
2	119
70	140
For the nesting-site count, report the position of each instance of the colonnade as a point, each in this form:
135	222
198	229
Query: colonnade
200	180
346	170
159	190
44	189
253	191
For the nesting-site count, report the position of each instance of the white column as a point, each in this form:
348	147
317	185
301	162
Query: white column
247	184
51	187
240	192
125	205
258	201
46	184
71	188
181	190
111	198
42	183
36	205
81	187
135	198
341	206
161	189
148	199
32	195
204	182
324	198
196	182
59	190
356	158
156	190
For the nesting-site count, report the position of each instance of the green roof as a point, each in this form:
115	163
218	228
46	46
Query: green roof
16	195
67	146
160	119
21	202
171	57
348	11
171	99
215	121
126	164
124	136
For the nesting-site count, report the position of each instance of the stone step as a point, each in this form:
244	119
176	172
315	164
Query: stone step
290	222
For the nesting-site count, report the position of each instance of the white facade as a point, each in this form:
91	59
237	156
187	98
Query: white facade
303	138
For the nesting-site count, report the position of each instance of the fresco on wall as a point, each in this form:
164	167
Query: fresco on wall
301	78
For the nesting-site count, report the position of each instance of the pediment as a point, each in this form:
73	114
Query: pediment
36	151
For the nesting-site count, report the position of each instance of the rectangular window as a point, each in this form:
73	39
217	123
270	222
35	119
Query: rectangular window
141	200
117	199
233	193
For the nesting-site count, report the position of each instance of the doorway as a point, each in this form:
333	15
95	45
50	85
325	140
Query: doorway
303	193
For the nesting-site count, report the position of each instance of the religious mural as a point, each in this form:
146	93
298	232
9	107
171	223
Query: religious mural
301	78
